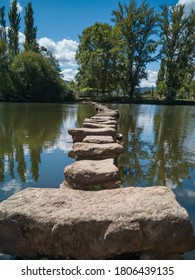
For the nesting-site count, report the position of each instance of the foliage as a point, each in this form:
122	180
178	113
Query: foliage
177	52
30	31
35	78
96	59
14	19
135	26
54	62
27	75
2	24
5	79
192	88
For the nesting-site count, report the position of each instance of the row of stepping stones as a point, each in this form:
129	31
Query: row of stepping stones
95	146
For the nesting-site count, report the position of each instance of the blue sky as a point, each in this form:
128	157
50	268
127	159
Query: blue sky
59	23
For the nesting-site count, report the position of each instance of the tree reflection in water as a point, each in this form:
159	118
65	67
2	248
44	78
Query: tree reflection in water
158	144
23	128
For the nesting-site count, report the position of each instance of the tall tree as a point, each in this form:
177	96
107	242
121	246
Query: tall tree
135	26
2	24
30	30
5	80
13	32
178	50
96	58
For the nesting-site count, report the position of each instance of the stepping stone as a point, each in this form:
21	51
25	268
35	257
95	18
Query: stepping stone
112	122
109	113
96	151
90	174
40	222
78	134
102	118
98	139
98	125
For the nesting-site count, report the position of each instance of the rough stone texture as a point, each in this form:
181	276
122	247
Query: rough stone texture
102	118
98	139
90	174
94	225
98	125
78	134
112	122
96	151
109	113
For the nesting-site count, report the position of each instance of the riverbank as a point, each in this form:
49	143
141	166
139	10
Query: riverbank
150	101
117	100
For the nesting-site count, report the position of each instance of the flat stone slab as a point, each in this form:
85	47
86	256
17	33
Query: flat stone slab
78	134
96	151
98	139
94	225
98	125
102	118
92	175
108	113
112	122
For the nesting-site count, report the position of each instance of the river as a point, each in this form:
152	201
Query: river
159	144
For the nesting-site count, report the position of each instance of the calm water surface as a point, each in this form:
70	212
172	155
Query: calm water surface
159	144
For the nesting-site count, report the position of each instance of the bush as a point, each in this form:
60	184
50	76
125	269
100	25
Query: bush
35	78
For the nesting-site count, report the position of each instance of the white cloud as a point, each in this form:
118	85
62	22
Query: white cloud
12	186
189	5
69	74
152	77
20	9
64	142
63	50
21	39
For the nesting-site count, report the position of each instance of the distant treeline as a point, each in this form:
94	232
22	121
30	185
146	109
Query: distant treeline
33	73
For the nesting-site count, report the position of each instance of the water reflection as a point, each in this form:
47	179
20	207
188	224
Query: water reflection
26	129
34	143
159	146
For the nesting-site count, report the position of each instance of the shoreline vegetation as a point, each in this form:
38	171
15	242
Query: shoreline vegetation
112	59
120	100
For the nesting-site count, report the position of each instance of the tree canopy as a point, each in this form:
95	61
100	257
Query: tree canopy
28	74
30	31
136	47
96	58
177	51
13	31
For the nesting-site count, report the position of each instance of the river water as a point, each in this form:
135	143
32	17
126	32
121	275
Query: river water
159	144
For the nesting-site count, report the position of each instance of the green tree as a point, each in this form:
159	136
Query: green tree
5	79
36	79
192	88
14	19
96	59
135	26
178	49
2	24
30	30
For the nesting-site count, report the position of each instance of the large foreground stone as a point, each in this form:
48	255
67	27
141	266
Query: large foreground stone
94	225
96	151
78	134
90	174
